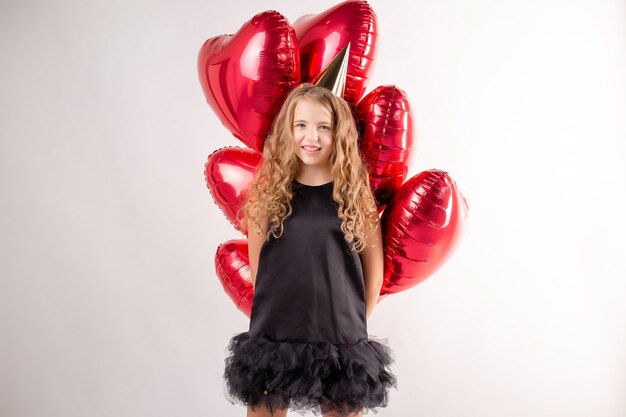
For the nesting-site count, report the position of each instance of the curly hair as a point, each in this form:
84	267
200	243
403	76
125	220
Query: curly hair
269	197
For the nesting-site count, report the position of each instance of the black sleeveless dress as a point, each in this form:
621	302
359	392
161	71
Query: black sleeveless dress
307	345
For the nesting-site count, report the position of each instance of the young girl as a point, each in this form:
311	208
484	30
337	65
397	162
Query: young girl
316	258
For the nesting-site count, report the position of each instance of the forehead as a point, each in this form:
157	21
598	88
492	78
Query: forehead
310	110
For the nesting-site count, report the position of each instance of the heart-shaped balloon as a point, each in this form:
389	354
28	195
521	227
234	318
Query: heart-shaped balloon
386	130
321	37
228	173
232	266
246	76
421	227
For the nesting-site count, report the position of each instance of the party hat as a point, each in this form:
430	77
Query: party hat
333	77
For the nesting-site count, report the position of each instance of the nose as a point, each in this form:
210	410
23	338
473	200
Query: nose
311	133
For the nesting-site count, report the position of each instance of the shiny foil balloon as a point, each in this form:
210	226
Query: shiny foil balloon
386	131
246	76
421	227
228	173
321	37
232	267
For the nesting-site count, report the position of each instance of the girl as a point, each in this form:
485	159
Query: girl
316	258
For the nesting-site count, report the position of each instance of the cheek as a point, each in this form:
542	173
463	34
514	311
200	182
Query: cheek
330	147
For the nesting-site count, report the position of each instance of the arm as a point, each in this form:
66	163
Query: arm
255	242
372	258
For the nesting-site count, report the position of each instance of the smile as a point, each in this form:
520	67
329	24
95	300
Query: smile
311	148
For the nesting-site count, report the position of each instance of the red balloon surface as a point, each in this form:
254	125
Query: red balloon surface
232	266
246	76
321	37
386	144
228	174
421	226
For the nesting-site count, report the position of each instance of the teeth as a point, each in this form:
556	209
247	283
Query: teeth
308	148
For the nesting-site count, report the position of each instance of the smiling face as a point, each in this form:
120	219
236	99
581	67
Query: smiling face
313	133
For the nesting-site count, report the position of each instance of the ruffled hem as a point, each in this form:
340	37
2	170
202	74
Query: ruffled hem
308	377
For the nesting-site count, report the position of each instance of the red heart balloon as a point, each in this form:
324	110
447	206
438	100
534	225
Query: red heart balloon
228	173
246	76
386	130
321	37
421	227
232	266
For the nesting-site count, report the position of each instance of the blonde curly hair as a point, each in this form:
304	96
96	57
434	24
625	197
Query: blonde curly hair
269	197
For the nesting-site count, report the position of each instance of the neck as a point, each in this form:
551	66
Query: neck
314	175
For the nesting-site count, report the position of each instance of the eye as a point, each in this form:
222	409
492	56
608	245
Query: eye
325	127
299	124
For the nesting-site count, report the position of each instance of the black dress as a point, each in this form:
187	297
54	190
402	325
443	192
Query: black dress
307	344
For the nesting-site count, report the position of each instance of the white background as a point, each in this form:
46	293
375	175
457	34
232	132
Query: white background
109	301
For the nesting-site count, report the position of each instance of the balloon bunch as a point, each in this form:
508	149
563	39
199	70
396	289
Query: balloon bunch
246	77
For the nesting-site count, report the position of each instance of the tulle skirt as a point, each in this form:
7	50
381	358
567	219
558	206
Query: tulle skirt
308	377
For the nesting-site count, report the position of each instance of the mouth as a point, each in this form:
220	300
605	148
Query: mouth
311	148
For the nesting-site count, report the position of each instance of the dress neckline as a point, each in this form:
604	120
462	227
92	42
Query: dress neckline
313	186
